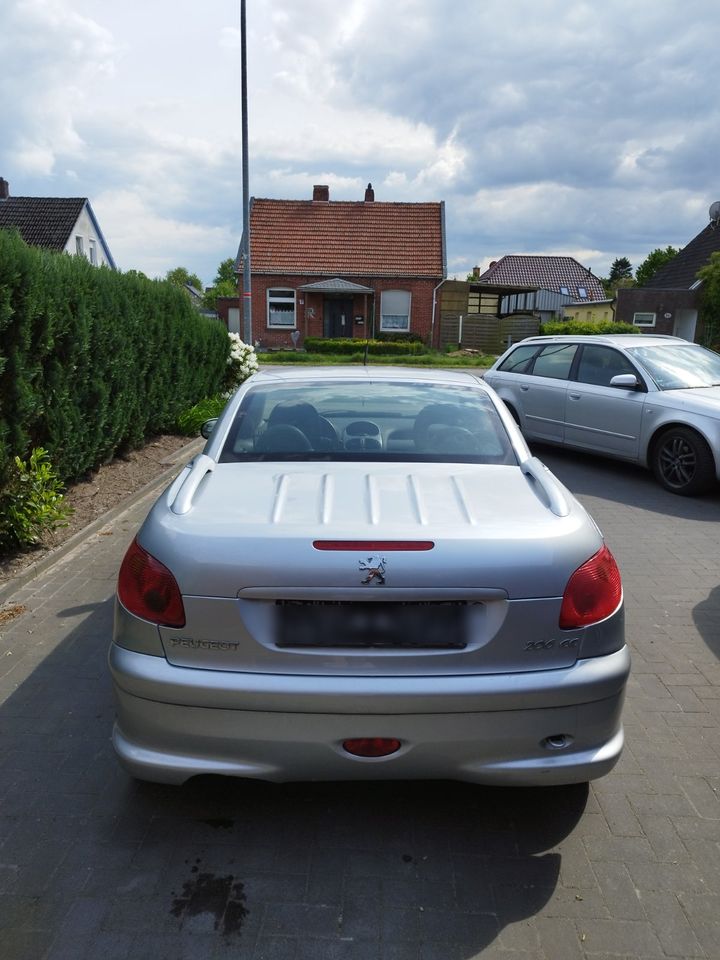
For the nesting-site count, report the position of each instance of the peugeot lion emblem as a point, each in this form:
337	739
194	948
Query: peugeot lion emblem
374	570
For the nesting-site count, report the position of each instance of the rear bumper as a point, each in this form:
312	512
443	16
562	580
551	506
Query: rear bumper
174	723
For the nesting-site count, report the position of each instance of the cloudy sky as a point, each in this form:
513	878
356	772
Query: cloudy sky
547	126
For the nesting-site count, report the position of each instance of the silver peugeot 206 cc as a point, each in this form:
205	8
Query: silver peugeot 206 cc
366	575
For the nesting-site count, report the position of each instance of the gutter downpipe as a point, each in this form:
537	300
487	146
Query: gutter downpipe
444	270
432	322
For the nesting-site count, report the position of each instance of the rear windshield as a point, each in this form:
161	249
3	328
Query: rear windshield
365	420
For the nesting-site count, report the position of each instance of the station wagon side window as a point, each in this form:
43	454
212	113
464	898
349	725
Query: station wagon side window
519	360
555	360
598	365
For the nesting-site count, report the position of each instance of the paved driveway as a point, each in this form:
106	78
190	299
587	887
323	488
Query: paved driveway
95	866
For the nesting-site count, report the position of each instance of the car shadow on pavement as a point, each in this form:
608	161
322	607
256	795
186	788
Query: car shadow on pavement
612	480
706	617
219	867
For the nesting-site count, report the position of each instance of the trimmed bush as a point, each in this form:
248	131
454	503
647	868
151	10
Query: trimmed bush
344	346
399	337
93	361
584	328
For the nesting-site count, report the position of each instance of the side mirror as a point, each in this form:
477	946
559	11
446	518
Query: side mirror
626	381
207	428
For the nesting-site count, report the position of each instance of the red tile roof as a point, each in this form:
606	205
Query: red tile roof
331	238
549	273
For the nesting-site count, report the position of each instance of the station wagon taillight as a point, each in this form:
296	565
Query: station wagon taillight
148	589
593	592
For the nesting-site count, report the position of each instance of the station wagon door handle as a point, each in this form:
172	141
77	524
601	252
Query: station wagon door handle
524	387
574	396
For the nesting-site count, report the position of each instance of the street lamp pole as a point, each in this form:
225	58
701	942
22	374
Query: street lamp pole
247	292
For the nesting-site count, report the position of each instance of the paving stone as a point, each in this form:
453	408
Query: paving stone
619	892
670	925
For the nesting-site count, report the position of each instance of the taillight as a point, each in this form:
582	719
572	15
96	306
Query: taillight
148	589
592	593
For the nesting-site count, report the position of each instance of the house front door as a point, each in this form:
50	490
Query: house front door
337	315
685	323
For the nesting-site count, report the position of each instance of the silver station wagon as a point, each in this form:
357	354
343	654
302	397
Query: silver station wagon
366	575
651	400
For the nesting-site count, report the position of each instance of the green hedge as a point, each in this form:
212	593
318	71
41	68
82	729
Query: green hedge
585	328
93	361
399	337
344	346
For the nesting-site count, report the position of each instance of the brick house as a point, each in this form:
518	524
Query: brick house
669	302
325	268
56	223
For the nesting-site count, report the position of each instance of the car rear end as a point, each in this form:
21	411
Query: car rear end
366	621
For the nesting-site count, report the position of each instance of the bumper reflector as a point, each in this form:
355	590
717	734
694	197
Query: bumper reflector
371	746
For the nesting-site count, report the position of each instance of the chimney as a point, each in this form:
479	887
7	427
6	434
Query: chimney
369	194
321	192
4	189
476	273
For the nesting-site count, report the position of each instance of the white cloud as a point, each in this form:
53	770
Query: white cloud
566	126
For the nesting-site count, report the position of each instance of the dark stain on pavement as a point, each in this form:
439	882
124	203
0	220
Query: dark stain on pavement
219	823
222	897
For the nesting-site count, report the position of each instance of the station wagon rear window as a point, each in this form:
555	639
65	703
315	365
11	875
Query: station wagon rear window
367	420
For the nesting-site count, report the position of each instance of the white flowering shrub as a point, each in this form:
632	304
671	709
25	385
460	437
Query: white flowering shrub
241	363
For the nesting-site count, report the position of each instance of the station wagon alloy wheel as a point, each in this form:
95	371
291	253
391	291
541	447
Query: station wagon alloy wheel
683	463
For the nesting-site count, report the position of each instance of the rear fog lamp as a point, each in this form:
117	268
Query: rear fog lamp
371	746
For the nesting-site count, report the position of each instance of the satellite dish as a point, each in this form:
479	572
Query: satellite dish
714	211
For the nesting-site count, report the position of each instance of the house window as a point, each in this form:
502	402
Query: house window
395	310
644	319
281	308
92	252
565	291
582	293
79	248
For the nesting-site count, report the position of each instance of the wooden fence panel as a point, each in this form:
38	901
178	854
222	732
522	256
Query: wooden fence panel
485	332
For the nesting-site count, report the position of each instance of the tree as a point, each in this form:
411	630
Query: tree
180	276
224	285
621	269
652	263
710	303
226	273
620	276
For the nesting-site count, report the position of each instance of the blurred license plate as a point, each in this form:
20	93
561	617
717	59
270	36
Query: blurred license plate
405	626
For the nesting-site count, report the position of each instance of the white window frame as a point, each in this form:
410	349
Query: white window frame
643	313
92	252
79	246
289	298
393	326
